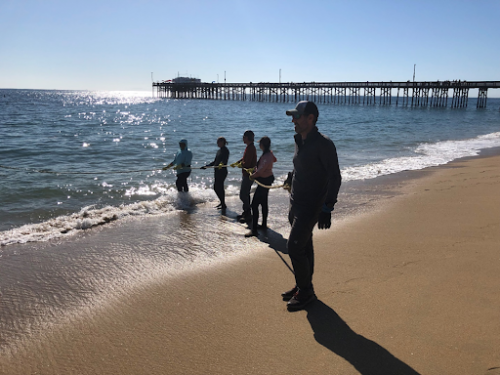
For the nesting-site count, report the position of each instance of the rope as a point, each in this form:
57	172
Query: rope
270	186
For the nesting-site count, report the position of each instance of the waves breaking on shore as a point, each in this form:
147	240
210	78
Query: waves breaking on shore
425	155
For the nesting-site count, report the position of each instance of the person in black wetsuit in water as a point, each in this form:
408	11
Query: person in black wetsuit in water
220	174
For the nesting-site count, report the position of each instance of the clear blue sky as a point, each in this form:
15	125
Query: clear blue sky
115	45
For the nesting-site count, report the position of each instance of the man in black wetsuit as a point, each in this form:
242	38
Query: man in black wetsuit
315	183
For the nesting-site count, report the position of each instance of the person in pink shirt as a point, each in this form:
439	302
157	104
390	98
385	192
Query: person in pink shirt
263	174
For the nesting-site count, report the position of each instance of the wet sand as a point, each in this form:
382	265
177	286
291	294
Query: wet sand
408	287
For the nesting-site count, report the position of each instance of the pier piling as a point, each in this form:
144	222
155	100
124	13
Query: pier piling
482	98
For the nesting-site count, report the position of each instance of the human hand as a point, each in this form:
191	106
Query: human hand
203	168
287	185
325	220
251	178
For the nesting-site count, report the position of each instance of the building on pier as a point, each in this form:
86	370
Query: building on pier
415	94
186	80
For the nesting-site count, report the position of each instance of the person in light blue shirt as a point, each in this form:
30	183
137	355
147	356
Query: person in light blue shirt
182	160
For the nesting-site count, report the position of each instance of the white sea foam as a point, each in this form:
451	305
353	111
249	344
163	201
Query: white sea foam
426	155
91	216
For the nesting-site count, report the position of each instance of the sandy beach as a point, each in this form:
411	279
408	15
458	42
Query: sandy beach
411	287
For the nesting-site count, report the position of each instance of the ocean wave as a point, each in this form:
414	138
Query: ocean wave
426	155
90	216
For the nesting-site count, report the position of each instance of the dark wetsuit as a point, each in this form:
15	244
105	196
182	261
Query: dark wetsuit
316	181
220	175
249	160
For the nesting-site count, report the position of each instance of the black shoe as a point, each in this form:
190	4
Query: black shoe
244	214
263	227
300	300
219	206
251	233
245	219
287	296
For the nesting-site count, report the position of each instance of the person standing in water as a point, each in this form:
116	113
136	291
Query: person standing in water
249	160
182	161
220	174
264	175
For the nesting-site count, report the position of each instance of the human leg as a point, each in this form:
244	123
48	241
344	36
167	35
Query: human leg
264	200
300	247
179	182
220	177
246	185
256	202
182	181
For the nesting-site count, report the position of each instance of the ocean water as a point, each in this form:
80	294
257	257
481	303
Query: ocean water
72	160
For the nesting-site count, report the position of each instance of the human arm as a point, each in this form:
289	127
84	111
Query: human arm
330	162
221	159
212	163
287	184
168	166
243	157
325	217
183	161
265	165
249	159
172	163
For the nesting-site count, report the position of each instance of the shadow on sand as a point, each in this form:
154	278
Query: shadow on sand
276	242
366	356
333	333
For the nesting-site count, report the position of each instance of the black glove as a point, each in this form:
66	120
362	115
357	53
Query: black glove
325	220
203	168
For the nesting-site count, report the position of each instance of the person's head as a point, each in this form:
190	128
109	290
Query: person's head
304	116
248	137
221	142
183	144
265	144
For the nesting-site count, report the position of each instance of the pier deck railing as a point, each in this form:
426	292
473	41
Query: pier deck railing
421	93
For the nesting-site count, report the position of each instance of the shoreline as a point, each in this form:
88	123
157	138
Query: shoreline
398	290
63	222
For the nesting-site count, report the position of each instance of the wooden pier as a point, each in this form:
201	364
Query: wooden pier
415	94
